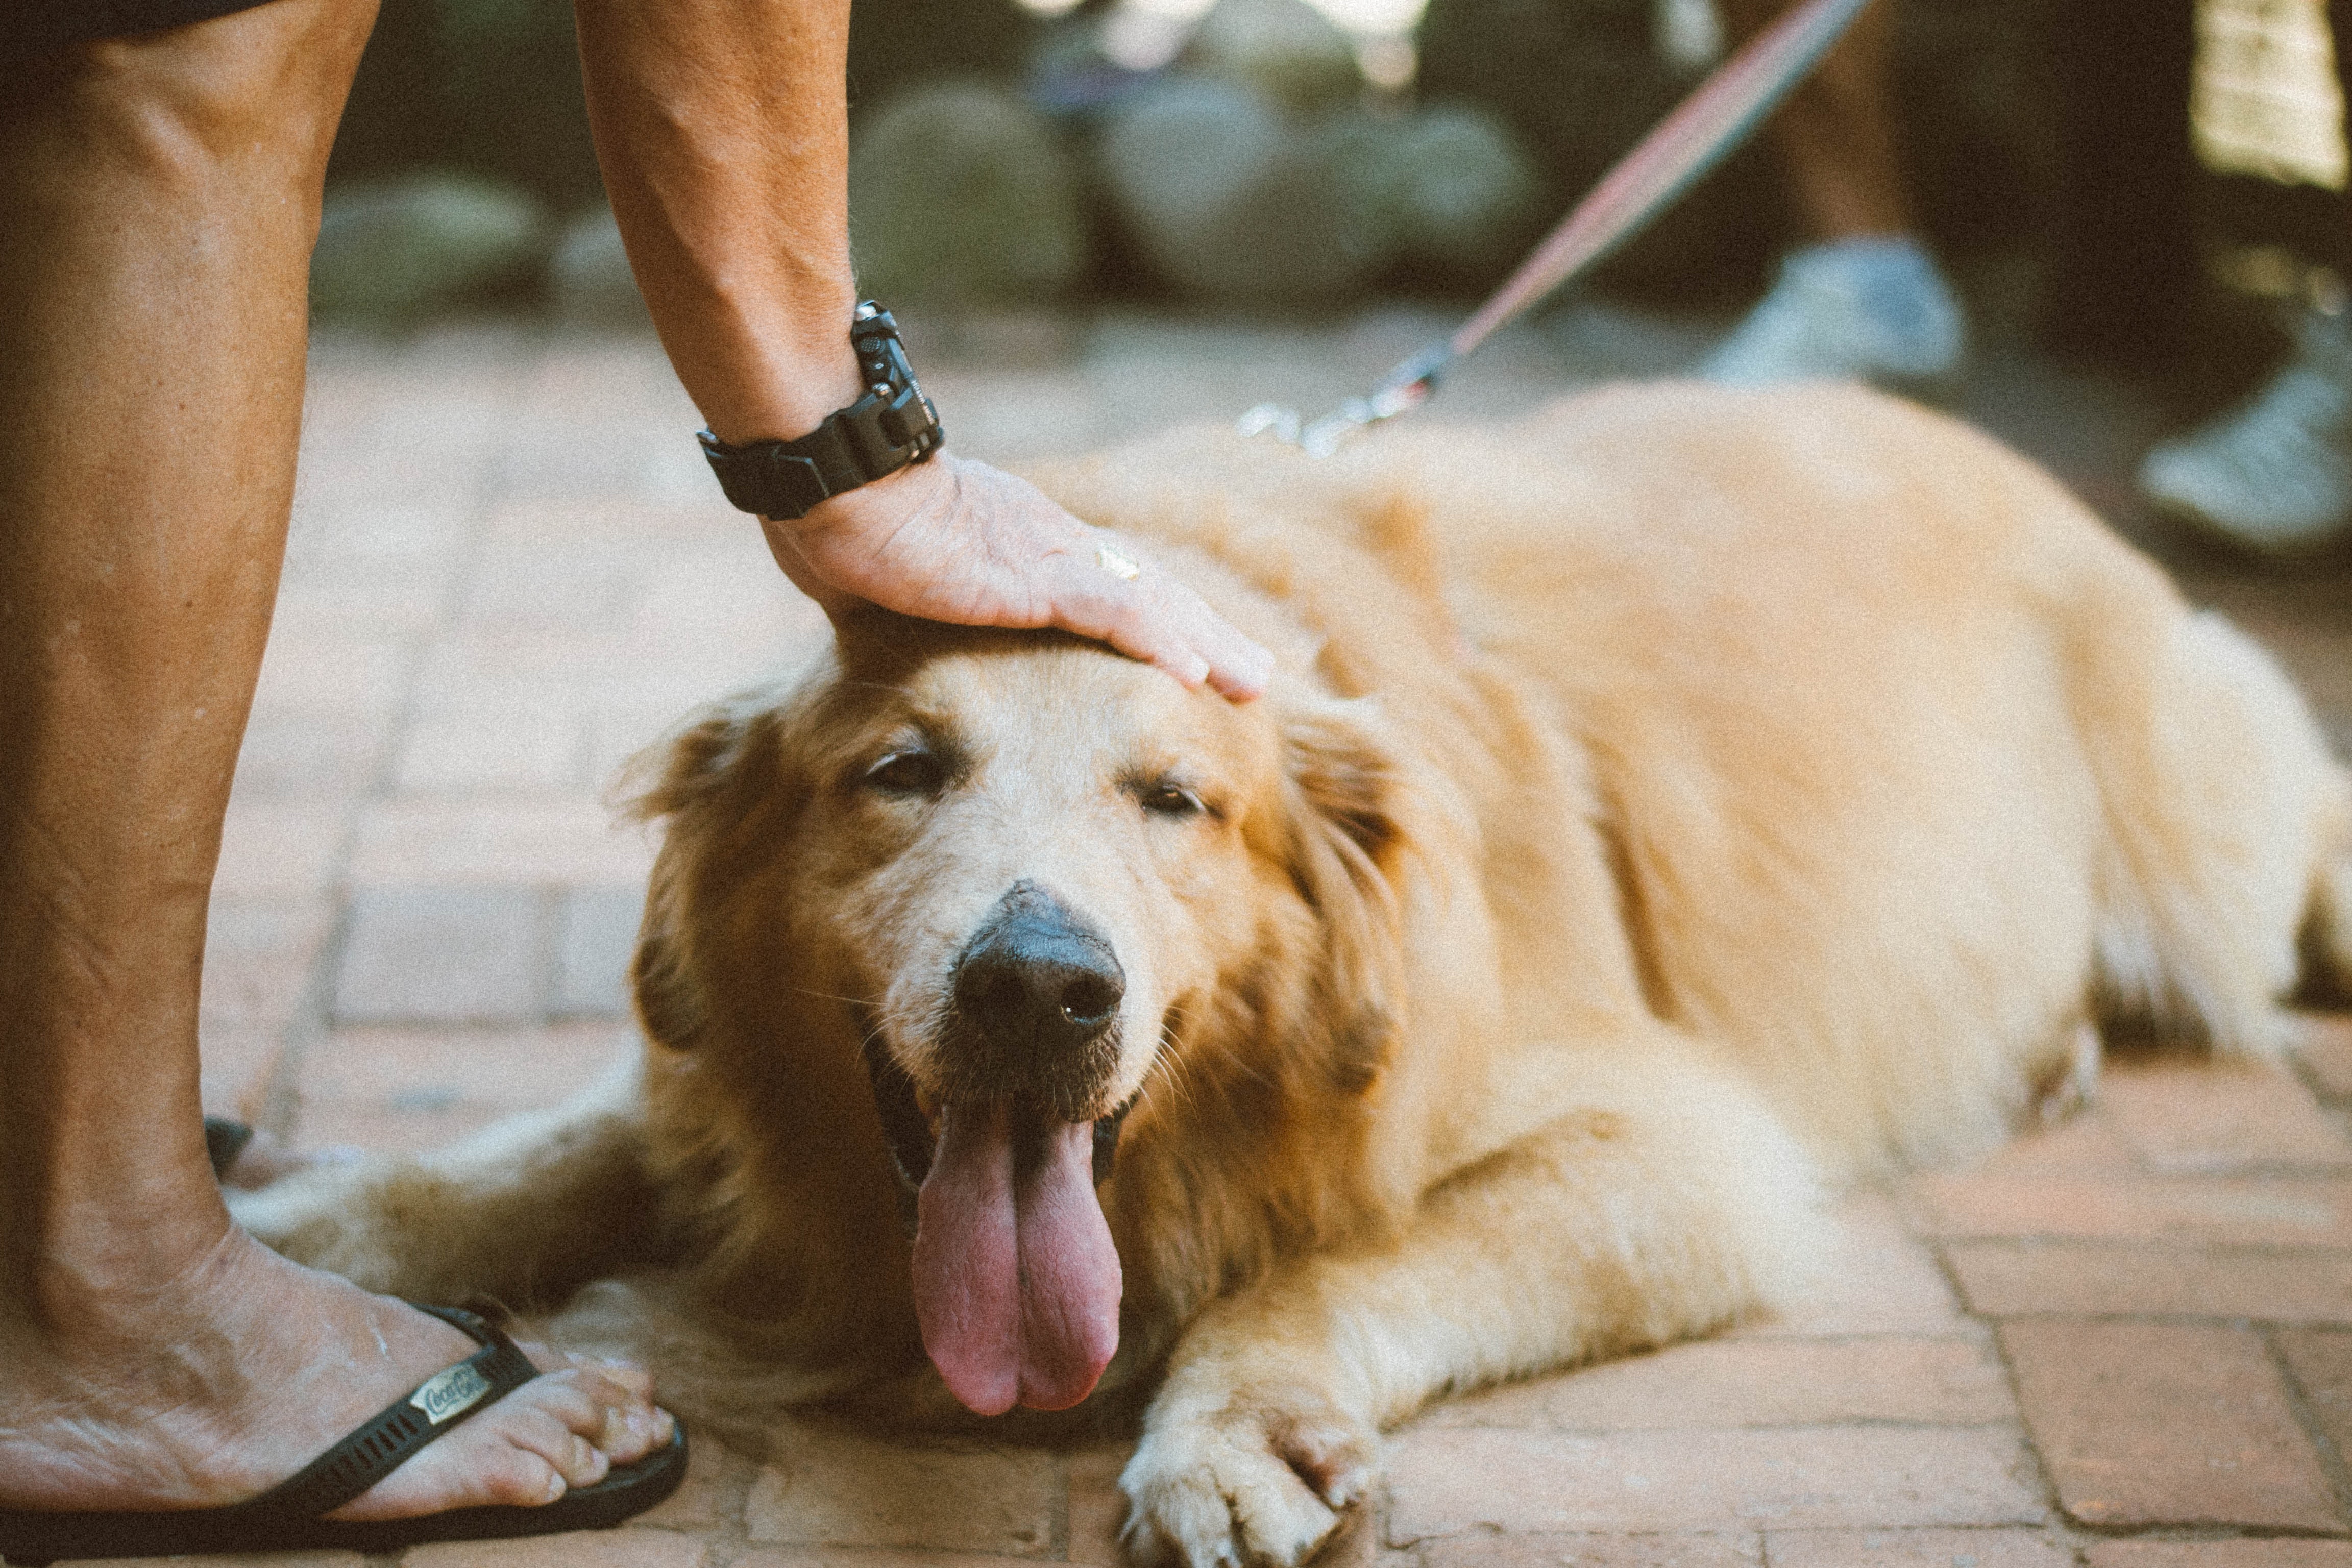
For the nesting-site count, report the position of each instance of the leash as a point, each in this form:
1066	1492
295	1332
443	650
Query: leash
1722	112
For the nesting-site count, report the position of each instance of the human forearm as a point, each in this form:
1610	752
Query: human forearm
722	126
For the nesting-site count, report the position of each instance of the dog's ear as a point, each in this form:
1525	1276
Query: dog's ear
1347	839
661	981
1345	773
706	783
681	767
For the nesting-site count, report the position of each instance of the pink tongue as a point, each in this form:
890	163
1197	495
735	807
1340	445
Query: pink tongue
1016	1281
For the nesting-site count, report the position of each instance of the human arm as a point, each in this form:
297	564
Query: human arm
722	128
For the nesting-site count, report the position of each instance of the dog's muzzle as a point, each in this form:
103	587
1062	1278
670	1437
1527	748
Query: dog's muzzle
1033	1019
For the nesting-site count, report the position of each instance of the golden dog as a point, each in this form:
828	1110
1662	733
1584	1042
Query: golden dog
1666	804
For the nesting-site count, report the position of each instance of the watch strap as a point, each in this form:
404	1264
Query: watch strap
892	426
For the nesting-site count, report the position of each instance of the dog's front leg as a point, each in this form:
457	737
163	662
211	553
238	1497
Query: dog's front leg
525	1210
1648	1216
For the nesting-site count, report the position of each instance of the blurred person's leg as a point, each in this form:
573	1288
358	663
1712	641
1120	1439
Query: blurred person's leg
2275	474
159	198
1864	300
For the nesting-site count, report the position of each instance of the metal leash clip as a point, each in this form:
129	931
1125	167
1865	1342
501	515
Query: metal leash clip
1406	387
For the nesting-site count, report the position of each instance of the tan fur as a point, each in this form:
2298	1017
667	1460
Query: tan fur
1665	803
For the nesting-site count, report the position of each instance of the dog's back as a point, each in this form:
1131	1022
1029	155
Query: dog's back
1909	769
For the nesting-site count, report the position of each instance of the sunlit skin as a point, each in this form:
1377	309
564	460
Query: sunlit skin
159	197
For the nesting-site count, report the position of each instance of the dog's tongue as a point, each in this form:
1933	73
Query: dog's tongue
1016	1281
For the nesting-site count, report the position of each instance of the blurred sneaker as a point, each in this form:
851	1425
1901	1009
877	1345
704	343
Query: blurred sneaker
2275	474
1875	309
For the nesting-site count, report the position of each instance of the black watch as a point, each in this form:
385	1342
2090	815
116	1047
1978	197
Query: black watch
892	426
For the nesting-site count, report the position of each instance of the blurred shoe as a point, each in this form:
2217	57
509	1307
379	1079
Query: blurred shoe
1875	309
2275	474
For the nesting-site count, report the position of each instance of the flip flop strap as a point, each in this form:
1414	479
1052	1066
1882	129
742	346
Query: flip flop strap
380	1445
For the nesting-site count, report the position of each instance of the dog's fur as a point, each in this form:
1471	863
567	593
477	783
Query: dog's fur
1665	803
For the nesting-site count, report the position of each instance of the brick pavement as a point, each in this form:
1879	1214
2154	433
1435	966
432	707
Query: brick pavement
2124	1344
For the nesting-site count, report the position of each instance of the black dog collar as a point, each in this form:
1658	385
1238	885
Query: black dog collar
892	426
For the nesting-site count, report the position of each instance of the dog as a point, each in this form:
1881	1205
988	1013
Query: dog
1671	805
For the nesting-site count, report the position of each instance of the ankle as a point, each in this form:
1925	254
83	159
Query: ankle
101	1284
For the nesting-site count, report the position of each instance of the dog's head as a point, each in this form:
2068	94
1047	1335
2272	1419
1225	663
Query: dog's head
1018	884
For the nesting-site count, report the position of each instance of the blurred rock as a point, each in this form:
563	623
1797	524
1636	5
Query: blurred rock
390	253
485	88
1579	82
1286	51
1229	201
1457	198
589	283
961	196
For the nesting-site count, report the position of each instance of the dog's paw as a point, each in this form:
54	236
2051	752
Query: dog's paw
1261	1481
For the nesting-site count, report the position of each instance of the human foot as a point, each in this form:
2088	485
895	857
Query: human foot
214	1391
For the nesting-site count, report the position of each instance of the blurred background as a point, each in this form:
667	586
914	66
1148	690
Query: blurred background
1287	157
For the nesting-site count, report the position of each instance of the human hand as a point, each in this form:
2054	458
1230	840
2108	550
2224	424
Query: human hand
957	541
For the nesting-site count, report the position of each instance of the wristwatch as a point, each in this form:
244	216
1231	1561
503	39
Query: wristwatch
892	426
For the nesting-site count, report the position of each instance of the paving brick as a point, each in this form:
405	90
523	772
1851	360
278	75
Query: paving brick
269	850
626	1547
1447	1481
831	1486
375	591
2323	1046
527	519
420	954
1097	1509
2322	1365
1681	1551
2005	1279
235	1560
496	843
390	1130
1877	1280
522	750
2219	1554
2185	1116
1756	1383
348	675
709	1497
2255	1211
2145	1423
508	1069
258	958
309	757
876	1557
596	933
2085	1144
1914	1548
234	1068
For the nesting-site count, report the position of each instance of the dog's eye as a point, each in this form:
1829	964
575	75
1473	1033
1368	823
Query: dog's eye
1165	799
908	772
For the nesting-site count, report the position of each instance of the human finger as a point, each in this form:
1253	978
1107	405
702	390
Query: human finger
1153	616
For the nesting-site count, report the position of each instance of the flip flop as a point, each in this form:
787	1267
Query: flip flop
224	1141
289	1516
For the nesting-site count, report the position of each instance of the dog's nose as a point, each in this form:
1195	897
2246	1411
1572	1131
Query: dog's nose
1037	977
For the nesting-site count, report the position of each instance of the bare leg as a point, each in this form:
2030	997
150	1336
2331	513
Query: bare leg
158	201
1836	132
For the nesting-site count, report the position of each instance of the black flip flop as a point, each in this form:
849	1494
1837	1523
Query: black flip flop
224	1141
289	1517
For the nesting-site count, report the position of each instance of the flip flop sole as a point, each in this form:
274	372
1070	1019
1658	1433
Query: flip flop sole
33	1540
